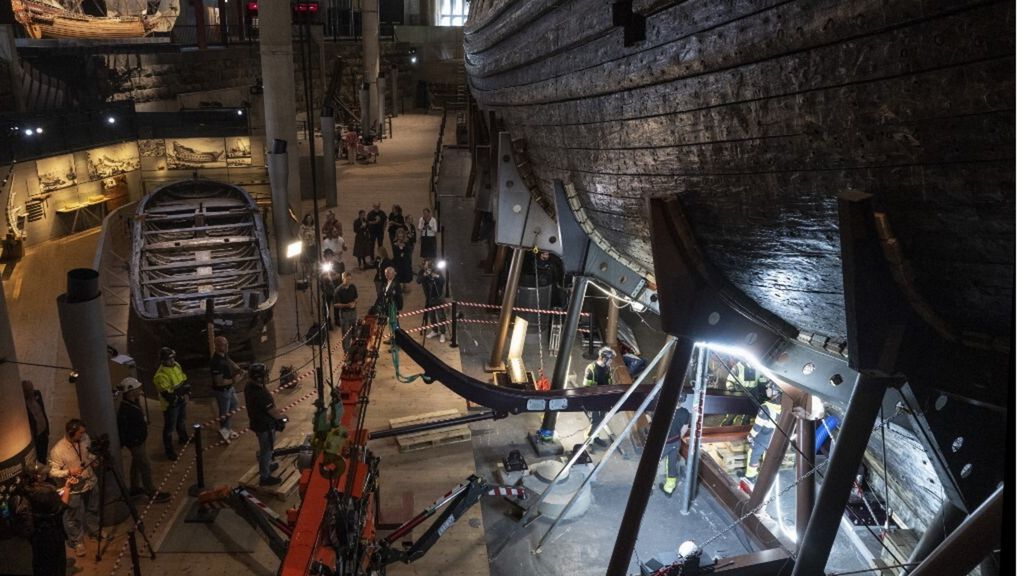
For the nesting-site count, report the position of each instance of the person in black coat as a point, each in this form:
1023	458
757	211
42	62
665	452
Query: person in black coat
39	513
37	420
376	219
433	291
390	292
133	428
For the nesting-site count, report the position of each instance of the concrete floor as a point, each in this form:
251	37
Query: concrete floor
487	539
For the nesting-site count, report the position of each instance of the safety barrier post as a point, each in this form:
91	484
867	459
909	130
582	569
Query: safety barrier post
454	342
197	439
133	548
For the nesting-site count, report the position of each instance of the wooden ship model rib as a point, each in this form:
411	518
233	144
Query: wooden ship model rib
197	242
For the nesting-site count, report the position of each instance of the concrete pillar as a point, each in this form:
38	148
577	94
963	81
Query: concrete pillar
279	172
199	8
9	53
16	439
83	328
396	106
330	176
371	57
278	69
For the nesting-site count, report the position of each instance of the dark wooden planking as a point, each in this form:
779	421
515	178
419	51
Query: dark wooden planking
736	42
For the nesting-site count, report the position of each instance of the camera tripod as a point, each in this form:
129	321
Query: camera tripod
105	466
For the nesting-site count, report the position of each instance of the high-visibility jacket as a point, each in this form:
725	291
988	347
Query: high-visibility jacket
594	373
768	414
167	380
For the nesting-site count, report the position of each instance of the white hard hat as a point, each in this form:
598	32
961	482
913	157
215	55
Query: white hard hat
129	384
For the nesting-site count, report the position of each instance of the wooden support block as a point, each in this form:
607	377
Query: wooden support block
430	438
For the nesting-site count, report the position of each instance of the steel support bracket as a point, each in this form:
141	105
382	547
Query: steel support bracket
521	220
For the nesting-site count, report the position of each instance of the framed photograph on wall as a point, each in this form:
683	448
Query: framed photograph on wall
56	172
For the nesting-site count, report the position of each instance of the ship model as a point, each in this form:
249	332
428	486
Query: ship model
200	258
185	155
66	20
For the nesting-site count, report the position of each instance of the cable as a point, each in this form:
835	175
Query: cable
869	570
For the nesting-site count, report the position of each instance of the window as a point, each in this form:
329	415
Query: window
452	12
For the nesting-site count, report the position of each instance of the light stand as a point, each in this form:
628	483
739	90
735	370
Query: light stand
294	251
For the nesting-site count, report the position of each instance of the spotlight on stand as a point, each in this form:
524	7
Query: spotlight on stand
72	377
326	267
412	55
441	265
293	251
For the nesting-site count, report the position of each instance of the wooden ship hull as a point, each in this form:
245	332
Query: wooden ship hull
754	118
43	20
200	244
757	115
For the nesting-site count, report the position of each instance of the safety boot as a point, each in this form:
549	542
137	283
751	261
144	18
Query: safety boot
669	486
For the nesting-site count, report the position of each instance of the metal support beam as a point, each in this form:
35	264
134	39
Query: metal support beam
969	544
839	476
774	455
647	470
572	322
507	302
805	483
945	522
700	386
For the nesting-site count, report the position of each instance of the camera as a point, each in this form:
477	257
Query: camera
100	444
279	424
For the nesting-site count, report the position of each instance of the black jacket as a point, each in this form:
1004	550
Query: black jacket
32	424
131	424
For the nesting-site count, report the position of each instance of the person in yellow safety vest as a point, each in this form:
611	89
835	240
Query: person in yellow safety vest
599	373
172	384
745	377
761	435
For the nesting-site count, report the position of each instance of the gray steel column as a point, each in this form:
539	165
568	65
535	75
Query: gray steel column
945	522
330	175
970	543
572	322
804	464
497	361
371	57
647	469
842	469
396	107
700	387
16	442
83	327
278	70
278	171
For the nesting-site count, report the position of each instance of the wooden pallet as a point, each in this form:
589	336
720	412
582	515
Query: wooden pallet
286	469
431	438
731	457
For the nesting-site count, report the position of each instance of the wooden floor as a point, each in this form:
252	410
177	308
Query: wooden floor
410	480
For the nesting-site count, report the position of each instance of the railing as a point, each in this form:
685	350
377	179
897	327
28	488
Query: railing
435	168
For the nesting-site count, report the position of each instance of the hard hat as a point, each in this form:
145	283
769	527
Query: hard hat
166	353
258	371
129	384
606	352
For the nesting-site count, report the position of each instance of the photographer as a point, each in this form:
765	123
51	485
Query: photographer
172	383
39	515
433	292
346	297
133	428
70	458
264	420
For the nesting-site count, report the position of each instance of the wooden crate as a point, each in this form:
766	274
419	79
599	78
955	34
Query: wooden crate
286	469
430	438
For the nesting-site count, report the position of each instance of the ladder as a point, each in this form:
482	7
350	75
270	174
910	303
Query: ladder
555	337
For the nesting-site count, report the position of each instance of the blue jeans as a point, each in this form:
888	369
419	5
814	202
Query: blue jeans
227	401
174	419
82	515
266	451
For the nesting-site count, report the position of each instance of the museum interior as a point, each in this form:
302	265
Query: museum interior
506	287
